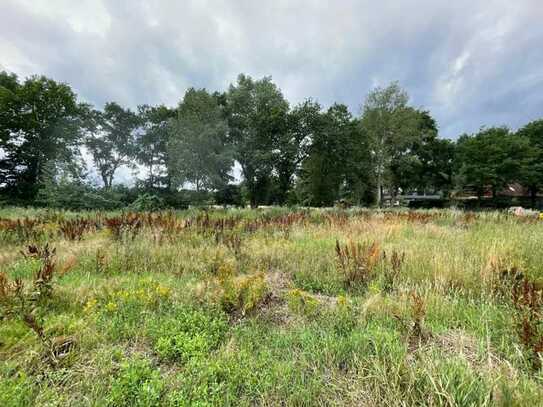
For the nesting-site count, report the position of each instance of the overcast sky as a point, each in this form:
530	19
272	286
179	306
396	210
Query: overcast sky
470	62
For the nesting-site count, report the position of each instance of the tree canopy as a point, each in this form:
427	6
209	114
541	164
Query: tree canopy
248	144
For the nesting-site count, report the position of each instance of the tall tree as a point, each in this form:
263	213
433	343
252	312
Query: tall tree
490	159
40	126
323	173
198	148
532	164
427	163
359	171
257	117
152	143
112	140
292	145
391	126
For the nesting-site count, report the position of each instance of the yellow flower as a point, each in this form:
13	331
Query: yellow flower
163	291
341	301
111	306
90	305
541	215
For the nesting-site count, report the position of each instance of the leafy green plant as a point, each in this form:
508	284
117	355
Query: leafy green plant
137	384
147	202
190	334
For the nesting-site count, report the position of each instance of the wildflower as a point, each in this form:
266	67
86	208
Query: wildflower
90	306
163	291
111	306
342	301
541	215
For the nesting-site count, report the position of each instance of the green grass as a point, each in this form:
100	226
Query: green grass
184	319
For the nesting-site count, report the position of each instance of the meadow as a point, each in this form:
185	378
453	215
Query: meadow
270	307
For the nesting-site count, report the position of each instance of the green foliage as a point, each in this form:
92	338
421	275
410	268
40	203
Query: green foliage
136	384
491	159
338	150
189	334
16	390
287	156
229	195
111	139
152	144
302	303
39	126
531	171
257	116
147	202
392	128
198	151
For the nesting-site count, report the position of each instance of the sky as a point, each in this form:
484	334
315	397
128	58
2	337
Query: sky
470	62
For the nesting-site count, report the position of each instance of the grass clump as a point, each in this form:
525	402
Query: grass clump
302	303
237	294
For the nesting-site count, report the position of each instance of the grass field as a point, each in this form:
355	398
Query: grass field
271	307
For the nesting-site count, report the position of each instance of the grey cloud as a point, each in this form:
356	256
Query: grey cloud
471	63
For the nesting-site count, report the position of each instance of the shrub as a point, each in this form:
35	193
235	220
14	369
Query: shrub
147	202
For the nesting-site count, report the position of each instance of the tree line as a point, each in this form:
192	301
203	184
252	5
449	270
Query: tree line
288	155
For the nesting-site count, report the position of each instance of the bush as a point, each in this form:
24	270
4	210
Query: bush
229	195
147	202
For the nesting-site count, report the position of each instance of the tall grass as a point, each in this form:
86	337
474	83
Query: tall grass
272	307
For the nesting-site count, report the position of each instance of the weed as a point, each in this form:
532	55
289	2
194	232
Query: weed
238	295
22	230
73	230
128	225
234	243
391	273
418	312
528	302
357	263
45	272
100	261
